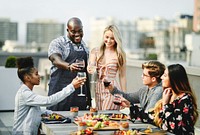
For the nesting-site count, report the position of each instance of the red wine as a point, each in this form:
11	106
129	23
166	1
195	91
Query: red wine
117	102
81	66
106	84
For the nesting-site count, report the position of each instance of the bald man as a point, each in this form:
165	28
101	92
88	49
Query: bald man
63	52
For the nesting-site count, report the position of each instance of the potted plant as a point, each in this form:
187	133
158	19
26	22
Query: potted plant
10	62
9	83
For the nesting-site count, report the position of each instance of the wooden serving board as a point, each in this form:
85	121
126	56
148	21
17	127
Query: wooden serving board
76	132
105	128
100	129
117	118
49	118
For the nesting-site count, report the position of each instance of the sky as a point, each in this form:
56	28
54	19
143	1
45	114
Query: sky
24	11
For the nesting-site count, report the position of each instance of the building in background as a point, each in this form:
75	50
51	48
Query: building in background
145	38
181	26
43	31
153	35
193	49
97	26
8	30
196	15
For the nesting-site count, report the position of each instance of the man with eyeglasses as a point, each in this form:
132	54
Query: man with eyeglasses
148	95
63	52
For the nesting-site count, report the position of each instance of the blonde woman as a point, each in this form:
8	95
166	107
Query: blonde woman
111	63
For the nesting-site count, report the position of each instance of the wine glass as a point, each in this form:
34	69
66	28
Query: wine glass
80	75
117	99
107	80
81	63
92	67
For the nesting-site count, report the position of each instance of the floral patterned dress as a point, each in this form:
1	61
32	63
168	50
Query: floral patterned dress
177	117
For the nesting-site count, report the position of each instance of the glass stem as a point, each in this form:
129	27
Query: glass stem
81	89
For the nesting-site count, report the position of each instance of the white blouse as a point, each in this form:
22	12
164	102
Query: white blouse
27	115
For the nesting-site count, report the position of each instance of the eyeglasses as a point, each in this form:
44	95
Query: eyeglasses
144	75
73	32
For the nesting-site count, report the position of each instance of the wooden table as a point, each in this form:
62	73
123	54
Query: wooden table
66	129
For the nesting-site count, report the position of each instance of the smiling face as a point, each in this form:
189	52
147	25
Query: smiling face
75	31
165	79
109	39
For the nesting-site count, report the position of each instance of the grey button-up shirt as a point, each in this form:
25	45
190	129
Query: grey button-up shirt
27	115
146	97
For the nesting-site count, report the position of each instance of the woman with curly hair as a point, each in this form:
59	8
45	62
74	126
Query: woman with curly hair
27	115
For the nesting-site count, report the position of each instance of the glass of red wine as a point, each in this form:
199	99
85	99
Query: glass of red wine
117	99
81	63
107	81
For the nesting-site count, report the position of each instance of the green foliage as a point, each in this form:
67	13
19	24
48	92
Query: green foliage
10	62
152	56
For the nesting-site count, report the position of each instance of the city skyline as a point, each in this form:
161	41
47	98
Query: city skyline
23	11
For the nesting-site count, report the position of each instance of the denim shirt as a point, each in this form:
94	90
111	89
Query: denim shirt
27	115
146	97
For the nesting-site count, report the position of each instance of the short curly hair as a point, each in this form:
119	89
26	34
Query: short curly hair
156	69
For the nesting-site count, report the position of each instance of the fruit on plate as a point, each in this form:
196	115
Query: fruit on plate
88	116
87	131
100	117
148	130
82	123
113	124
53	116
93	110
124	125
125	132
91	116
98	125
119	116
91	123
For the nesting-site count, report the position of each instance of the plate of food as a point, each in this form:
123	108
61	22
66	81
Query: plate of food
98	125
53	117
126	132
91	116
145	131
149	130
119	117
87	131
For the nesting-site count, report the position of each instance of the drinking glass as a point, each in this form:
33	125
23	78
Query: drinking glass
74	111
107	80
80	75
117	99
81	63
92	66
